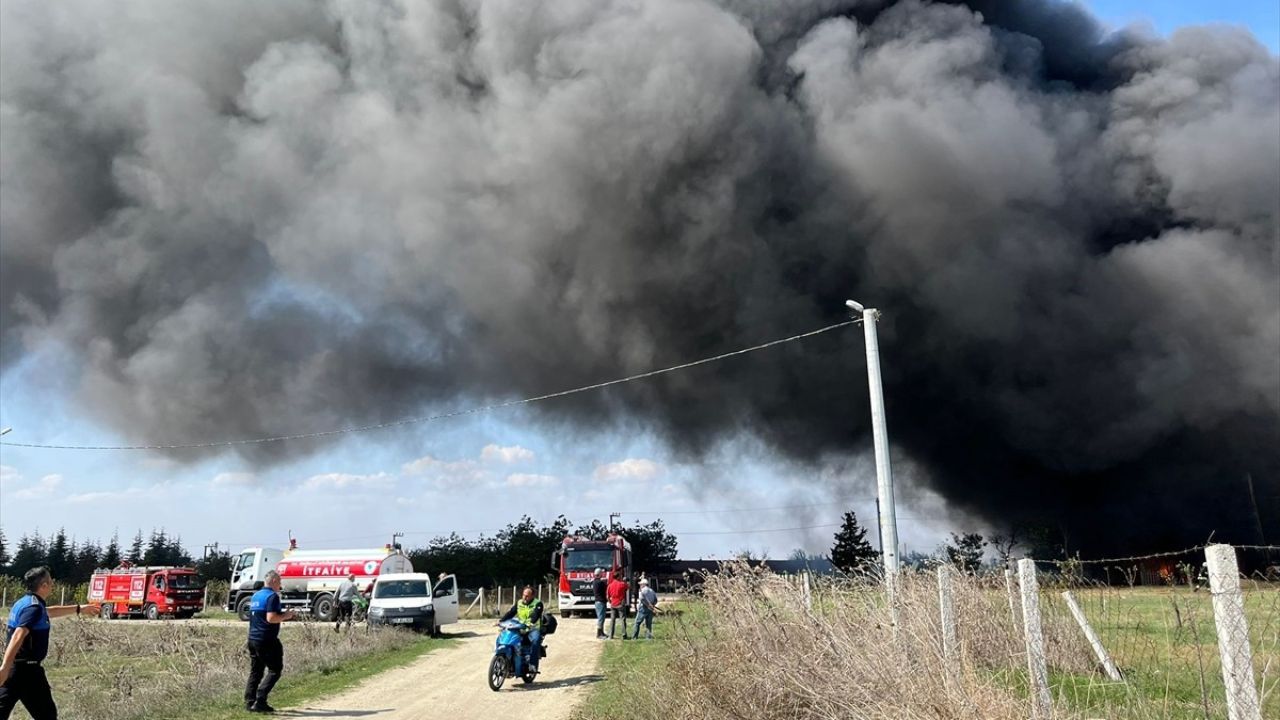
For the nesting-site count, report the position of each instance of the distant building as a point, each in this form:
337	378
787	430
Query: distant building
686	574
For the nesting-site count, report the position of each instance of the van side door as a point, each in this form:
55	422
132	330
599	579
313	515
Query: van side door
444	597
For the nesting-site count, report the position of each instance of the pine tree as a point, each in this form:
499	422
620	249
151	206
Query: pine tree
61	558
111	555
852	552
4	554
136	549
30	553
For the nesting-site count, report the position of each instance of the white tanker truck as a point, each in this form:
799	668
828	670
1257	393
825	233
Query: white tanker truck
309	578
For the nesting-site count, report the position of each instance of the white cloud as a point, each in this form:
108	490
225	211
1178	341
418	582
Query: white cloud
347	481
446	473
9	476
104	496
530	480
629	469
235	479
47	486
505	455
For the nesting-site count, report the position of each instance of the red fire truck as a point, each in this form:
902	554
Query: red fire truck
150	592
576	561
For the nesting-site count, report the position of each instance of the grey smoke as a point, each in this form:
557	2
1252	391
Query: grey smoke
245	219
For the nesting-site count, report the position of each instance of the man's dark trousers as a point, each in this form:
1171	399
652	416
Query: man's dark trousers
28	684
263	655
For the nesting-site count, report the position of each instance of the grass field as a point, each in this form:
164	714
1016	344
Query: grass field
150	671
1162	639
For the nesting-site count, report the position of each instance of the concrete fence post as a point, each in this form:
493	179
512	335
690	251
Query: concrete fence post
1037	671
63	601
947	609
1013	602
808	592
1233	633
1095	642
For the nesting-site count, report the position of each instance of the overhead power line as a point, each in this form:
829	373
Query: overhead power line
441	416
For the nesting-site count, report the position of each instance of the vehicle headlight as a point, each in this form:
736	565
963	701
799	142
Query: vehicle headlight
375	611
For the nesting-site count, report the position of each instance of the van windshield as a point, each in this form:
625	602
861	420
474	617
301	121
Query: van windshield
401	588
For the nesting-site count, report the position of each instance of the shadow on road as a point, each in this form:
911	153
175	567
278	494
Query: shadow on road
308	712
464	634
565	682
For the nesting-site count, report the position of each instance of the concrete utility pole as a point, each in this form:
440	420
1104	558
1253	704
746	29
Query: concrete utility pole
880	436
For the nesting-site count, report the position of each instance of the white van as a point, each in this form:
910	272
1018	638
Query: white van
409	599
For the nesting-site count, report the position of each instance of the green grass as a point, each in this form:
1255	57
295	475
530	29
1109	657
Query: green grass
627	665
1165	644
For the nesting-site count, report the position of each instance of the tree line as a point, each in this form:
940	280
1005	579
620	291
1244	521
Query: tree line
518	554
72	561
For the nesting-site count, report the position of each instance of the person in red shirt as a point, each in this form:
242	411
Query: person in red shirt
617	604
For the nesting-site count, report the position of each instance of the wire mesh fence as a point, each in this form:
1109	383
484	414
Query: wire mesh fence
769	647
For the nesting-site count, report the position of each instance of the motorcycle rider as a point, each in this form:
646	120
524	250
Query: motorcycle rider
528	610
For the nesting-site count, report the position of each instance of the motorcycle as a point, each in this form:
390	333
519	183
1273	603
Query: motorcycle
513	655
359	608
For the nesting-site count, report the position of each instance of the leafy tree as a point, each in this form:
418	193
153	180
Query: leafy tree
851	551
215	566
595	531
652	547
965	551
4	554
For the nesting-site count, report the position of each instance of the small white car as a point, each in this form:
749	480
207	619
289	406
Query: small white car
410	600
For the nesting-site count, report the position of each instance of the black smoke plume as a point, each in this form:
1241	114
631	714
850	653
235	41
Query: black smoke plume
248	219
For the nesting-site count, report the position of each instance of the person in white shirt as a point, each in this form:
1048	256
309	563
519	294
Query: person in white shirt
345	598
646	606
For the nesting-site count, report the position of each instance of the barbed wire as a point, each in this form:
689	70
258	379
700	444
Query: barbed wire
442	416
1152	556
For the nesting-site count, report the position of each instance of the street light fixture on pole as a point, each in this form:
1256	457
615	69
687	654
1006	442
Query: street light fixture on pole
880	436
6	431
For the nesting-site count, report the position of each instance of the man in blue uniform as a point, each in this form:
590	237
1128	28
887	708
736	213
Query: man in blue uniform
22	676
265	650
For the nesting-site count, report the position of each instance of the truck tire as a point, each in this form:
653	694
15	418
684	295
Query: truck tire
106	612
242	608
323	607
567	614
151	612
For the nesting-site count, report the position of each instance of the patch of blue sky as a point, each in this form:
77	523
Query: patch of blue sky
1261	17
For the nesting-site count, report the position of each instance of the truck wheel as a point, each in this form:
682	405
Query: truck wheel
105	613
567	614
242	608
151	611
322	607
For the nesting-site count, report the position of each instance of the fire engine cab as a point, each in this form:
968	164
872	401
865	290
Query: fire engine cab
576	560
150	592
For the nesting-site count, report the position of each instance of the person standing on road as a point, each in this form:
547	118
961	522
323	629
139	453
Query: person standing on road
22	677
645	608
346	598
265	650
617	605
601	589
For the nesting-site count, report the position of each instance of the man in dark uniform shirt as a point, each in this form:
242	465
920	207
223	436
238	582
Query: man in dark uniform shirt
22	676
265	650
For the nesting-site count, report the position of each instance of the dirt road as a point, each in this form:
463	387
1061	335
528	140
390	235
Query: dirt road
453	682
